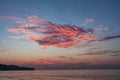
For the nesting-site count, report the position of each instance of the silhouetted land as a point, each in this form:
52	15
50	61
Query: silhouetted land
14	67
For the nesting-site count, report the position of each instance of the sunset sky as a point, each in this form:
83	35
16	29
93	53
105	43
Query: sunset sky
52	32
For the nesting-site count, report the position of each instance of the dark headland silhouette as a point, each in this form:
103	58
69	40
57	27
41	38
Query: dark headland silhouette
13	67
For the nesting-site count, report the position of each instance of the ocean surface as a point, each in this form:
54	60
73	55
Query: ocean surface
61	75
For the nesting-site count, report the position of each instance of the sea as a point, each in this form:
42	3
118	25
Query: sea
61	75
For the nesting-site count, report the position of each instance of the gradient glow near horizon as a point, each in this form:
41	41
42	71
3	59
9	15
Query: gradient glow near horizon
60	31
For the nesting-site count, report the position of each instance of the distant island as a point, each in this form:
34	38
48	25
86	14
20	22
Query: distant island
13	67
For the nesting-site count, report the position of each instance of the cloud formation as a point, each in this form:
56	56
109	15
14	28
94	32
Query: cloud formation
46	33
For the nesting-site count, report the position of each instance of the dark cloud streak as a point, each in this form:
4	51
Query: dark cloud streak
110	37
103	52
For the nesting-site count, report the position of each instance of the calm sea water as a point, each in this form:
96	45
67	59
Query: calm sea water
61	75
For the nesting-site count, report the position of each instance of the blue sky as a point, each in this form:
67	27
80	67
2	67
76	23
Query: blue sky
103	13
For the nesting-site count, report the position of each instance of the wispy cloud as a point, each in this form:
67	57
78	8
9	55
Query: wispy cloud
4	41
101	28
87	21
16	37
71	58
49	34
6	50
102	52
11	17
117	54
43	61
62	57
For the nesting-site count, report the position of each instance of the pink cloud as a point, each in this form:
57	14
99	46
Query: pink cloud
46	33
16	37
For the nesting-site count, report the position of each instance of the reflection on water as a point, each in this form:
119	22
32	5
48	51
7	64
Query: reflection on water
61	75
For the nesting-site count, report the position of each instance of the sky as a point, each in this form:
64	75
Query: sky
60	33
